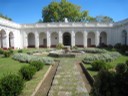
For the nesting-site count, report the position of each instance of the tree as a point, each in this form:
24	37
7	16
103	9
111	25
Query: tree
57	11
104	19
5	17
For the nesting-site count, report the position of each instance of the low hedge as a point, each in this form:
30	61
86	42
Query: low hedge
98	65
37	64
22	57
11	85
27	72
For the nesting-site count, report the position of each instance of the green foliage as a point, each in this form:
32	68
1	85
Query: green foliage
20	51
98	65
11	50
104	84
11	85
111	83
94	50
5	17
107	57
104	19
57	11
27	72
22	57
74	47
121	68
117	46
59	46
7	53
37	64
1	51
126	62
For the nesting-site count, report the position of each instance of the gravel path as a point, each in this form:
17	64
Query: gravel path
68	81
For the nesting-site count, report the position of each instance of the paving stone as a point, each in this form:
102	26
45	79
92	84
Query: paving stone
63	93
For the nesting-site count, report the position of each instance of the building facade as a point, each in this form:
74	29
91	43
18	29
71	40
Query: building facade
18	36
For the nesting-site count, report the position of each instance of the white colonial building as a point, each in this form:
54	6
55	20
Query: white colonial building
18	36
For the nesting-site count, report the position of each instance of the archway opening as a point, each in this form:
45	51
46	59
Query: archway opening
54	39
91	39
42	40
79	39
11	40
3	39
67	39
31	40
124	37
103	39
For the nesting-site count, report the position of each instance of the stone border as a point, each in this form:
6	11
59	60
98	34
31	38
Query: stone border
45	84
87	74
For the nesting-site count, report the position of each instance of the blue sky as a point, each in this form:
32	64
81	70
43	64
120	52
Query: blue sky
29	11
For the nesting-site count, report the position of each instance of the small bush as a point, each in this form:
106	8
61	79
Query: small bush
126	62
121	68
27	72
20	51
10	50
1	51
7	53
11	85
59	46
98	65
37	64
74	47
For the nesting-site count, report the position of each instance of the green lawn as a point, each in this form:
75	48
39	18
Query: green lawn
8	65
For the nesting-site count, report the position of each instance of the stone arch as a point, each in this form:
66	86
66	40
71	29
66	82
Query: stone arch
79	39
3	39
67	39
124	37
54	39
42	39
103	38
91	39
11	40
31	40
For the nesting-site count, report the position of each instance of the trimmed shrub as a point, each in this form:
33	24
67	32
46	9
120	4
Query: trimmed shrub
27	58
20	51
118	46
37	64
59	46
107	57
121	68
22	57
98	65
94	50
7	53
27	72
10	50
11	85
126	62
1	51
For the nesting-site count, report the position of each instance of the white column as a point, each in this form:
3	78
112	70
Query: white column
6	38
60	37
25	38
97	38
72	38
36	39
85	39
48	39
